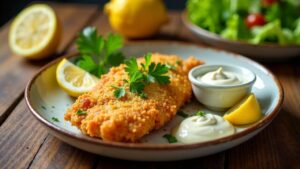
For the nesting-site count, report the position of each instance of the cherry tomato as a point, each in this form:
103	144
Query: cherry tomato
268	2
255	19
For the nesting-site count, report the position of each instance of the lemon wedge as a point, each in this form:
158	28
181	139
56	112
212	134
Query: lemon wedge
246	112
35	32
74	80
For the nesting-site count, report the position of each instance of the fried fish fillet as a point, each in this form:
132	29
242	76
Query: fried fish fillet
131	117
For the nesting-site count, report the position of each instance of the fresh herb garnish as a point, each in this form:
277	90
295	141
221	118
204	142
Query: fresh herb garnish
178	62
98	53
182	114
200	113
119	92
140	77
171	67
55	119
170	138
43	107
143	95
80	112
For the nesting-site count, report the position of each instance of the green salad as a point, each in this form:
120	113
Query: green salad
253	21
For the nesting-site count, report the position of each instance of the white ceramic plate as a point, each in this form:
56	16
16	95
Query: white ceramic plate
46	100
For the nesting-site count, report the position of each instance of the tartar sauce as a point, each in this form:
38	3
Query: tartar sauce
220	77
203	128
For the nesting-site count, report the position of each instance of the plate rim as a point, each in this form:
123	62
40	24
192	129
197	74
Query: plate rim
148	146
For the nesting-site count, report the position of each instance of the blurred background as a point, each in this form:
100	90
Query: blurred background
10	8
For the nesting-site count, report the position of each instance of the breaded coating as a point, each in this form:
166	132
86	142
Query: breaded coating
129	118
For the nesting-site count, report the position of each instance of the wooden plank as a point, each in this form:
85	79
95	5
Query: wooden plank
4	48
20	138
211	162
170	30
57	154
15	71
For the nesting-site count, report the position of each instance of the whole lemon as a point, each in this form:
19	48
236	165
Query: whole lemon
136	18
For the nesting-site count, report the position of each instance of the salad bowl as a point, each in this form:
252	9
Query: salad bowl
263	52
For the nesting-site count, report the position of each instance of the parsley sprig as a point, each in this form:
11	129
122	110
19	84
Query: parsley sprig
98	53
141	76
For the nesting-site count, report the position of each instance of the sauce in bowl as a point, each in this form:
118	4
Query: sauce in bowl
221	77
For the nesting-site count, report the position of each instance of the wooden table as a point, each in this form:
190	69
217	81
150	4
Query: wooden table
25	143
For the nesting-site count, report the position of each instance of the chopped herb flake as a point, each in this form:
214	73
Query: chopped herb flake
43	107
178	62
80	112
55	119
143	95
170	138
182	114
200	113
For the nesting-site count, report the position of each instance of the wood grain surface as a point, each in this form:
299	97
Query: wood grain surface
25	143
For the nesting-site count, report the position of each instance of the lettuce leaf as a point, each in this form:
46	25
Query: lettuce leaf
235	29
273	12
206	14
288	15
271	32
243	5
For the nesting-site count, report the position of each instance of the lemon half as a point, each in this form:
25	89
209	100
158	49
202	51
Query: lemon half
246	112
74	80
35	32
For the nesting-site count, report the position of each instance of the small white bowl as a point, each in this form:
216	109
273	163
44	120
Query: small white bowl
221	97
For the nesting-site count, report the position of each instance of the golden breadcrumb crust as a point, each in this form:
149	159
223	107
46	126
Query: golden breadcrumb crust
129	118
